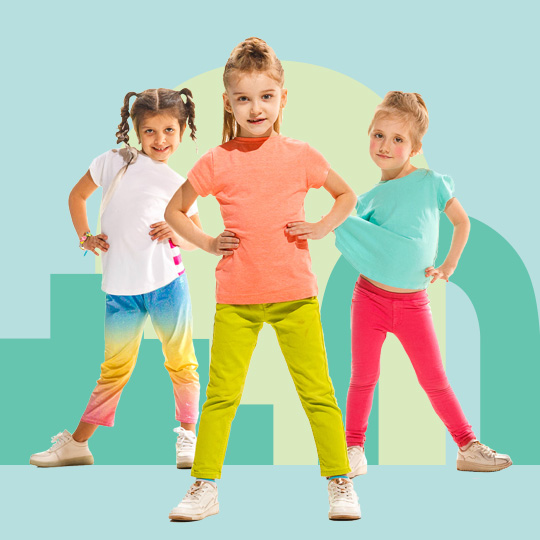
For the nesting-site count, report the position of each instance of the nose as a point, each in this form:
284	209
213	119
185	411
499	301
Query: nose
160	137
255	107
383	148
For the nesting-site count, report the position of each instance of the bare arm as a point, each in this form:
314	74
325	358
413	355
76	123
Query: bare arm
344	201
459	219
77	208
175	216
162	231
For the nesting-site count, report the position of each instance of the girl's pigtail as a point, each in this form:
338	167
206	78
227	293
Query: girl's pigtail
229	126
190	109
123	126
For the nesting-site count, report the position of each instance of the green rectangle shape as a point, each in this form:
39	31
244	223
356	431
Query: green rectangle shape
252	436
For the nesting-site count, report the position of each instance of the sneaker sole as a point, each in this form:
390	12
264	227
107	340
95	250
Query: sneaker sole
87	460
358	472
476	467
214	509
344	517
184	463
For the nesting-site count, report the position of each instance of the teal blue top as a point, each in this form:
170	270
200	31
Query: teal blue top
394	236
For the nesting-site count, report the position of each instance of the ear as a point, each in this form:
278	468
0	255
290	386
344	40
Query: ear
283	97
226	103
417	151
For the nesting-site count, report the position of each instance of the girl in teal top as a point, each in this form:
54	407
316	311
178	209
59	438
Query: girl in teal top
392	242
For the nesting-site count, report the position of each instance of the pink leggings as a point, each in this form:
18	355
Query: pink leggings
407	315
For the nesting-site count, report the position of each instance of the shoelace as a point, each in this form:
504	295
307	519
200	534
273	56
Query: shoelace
342	489
58	438
183	440
486	450
196	491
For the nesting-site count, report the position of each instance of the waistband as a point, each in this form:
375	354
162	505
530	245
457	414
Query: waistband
363	283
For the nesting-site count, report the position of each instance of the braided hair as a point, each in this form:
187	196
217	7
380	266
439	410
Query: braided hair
155	101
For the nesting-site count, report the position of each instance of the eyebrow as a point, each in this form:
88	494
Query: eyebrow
262	92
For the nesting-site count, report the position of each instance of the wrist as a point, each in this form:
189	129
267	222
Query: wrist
83	239
325	227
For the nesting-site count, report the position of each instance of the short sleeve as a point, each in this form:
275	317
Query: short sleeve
317	168
201	176
445	191
97	167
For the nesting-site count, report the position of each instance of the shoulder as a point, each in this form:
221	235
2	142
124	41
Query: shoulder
436	177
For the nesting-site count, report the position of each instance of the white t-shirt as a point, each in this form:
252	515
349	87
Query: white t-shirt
136	264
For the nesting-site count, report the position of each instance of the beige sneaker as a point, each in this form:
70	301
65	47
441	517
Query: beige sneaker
480	458
200	501
343	499
185	448
64	451
357	461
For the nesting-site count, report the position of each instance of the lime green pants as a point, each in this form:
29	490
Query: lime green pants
299	332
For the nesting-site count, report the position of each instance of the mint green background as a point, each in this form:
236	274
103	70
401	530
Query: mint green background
68	65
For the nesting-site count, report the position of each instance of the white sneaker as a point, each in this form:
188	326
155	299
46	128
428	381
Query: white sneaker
185	448
480	458
357	461
64	451
343	500
200	502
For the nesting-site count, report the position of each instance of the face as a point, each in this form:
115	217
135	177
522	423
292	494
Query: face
256	100
390	144
160	135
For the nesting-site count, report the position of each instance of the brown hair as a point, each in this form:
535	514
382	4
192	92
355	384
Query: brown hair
156	101
407	106
253	54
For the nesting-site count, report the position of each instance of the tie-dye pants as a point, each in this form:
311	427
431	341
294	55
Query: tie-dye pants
169	308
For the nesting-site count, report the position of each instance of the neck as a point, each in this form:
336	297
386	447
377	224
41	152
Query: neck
394	174
269	133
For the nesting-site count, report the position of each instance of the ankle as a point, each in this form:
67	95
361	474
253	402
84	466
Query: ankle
467	446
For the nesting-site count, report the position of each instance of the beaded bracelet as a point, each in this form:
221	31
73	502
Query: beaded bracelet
83	239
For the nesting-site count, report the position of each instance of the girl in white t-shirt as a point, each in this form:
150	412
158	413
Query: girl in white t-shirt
142	269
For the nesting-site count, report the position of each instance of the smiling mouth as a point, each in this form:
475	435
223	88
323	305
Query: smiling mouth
160	150
257	121
383	156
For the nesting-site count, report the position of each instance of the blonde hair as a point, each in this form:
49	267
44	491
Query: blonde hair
252	55
407	106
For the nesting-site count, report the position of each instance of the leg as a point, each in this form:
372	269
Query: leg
299	332
124	322
170	311
236	328
369	325
414	329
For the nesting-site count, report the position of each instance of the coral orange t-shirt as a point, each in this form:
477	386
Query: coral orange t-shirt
260	184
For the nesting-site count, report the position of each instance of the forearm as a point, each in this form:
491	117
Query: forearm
77	209
189	233
459	240
341	210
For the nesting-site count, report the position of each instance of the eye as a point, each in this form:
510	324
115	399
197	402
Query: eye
169	130
149	130
398	139
242	98
377	135
268	96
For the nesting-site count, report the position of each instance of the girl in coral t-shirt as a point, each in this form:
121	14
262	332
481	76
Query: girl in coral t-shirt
260	179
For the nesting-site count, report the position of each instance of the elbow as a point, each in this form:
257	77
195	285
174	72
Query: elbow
169	213
351	200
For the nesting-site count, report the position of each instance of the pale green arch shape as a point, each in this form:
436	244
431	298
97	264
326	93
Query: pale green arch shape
331	112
